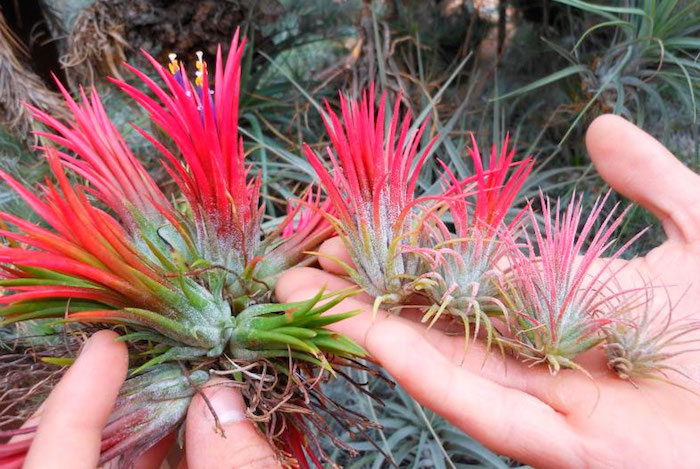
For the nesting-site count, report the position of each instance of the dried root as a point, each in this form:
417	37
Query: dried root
20	85
287	401
96	44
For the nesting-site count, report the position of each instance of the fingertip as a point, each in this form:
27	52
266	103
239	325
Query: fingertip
103	359
602	127
222	396
639	167
610	143
105	343
240	445
331	250
310	281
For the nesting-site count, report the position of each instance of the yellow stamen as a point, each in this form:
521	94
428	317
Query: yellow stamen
201	67
174	65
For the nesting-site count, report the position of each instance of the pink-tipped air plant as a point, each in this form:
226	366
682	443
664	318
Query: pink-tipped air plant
643	342
464	274
372	185
559	290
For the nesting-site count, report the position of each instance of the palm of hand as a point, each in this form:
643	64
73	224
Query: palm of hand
566	420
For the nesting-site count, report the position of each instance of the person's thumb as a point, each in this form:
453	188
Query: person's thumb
240	446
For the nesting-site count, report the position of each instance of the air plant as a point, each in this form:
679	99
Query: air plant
188	280
464	272
372	186
222	235
559	292
641	343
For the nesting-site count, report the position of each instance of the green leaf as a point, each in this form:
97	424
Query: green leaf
563	73
602	10
60	361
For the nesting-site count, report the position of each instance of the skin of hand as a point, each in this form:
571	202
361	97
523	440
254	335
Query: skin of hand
568	420
73	416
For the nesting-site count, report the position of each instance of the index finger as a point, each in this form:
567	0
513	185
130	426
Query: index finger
76	411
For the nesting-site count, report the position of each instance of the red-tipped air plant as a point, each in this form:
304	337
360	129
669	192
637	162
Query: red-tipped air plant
84	267
102	157
202	121
181	284
463	261
372	186
224	199
99	154
559	291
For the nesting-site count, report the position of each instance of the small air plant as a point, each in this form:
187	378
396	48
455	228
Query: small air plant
372	186
558	297
188	281
641	343
464	271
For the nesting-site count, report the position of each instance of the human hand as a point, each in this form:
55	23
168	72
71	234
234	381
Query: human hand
566	420
71	420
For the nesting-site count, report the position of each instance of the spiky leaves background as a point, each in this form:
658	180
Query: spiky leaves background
468	65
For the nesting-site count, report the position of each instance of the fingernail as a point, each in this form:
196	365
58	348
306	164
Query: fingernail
227	405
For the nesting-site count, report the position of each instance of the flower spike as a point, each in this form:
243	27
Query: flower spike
202	121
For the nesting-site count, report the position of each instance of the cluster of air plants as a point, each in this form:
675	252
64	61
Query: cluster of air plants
547	294
188	279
